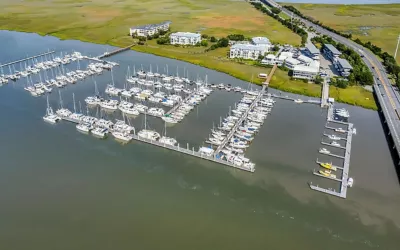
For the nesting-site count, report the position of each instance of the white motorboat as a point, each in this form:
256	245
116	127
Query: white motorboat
84	127
298	101
214	141
126	93
334	143
156	112
334	137
104	124
128	109
100	132
109	104
93	100
340	130
140	107
149	134
324	151
123	136
169	119
168	141
350	182
120	125
111	90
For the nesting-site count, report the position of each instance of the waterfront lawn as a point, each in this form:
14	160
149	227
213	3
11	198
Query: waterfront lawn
354	95
378	23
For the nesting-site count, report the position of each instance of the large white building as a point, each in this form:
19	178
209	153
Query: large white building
247	51
271	59
312	51
149	29
331	52
262	41
185	38
308	72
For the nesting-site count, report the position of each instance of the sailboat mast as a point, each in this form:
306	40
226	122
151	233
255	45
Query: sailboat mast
73	98
112	78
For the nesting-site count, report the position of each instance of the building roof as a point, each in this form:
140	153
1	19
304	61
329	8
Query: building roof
303	68
186	34
305	59
261	40
332	49
270	56
284	55
150	26
292	61
312	49
248	47
344	63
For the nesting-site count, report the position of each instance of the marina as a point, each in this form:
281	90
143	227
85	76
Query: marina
27	58
71	180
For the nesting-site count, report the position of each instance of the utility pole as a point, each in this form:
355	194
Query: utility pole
397	47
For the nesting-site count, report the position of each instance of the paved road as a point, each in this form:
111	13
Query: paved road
388	97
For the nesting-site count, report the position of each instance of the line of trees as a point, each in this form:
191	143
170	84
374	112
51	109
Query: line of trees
292	26
389	61
360	73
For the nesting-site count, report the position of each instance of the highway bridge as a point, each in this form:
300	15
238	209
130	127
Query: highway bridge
387	97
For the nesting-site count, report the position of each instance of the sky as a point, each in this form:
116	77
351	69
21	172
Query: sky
342	1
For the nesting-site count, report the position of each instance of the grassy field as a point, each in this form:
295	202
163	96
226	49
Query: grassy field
379	24
108	22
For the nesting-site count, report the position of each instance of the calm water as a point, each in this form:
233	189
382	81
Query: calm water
60	189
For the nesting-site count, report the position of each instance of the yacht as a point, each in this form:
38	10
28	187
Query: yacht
123	136
128	108
149	134
126	93
169	119
168	141
104	124
120	125
50	117
324	151
84	127
100	132
350	182
214	141
93	100
156	112
140	107
109	104
334	143
111	90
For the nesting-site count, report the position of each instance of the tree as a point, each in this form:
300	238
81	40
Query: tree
223	42
204	36
275	10
204	43
213	39
318	80
236	37
275	48
142	39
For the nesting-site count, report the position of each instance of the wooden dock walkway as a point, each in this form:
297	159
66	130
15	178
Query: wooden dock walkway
324	94
28	58
107	54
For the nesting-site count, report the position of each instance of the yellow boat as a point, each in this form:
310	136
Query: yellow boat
328	166
327	173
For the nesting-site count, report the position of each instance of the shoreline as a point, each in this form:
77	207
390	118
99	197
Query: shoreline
274	84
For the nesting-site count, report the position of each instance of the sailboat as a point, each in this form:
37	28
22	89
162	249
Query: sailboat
167	140
94	100
146	133
75	117
111	89
50	117
121	131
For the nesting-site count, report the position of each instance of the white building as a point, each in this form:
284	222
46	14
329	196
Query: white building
262	41
247	51
149	29
306	72
185	38
271	59
291	63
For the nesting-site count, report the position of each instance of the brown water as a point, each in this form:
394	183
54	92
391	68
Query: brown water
60	189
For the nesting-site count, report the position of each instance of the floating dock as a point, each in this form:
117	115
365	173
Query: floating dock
28	58
345	169
177	148
293	99
324	94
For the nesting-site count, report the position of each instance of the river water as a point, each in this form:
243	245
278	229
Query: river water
60	189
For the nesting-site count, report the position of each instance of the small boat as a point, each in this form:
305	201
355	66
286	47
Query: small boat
214	141
350	182
123	136
327	173
334	137
324	151
327	166
340	130
169	119
298	101
149	134
335	144
168	141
